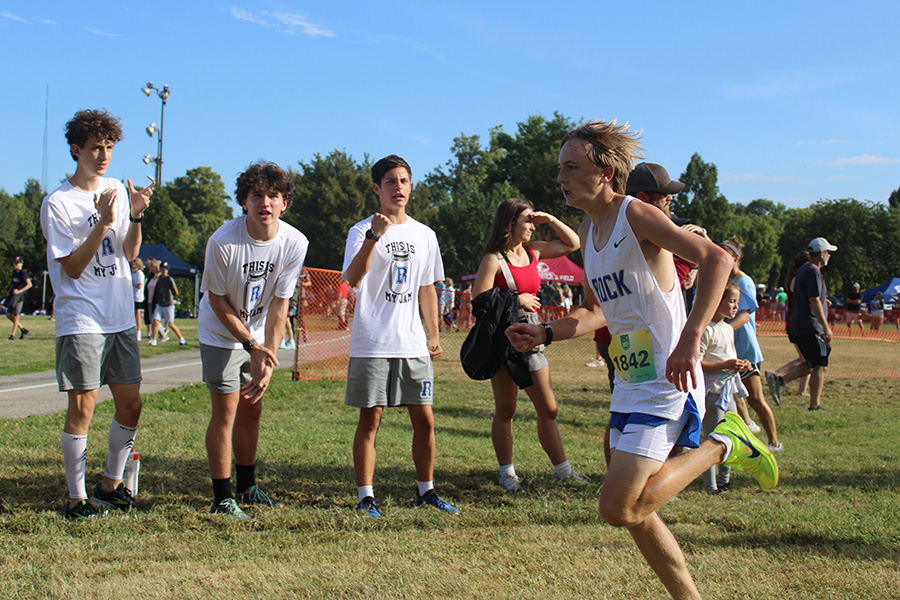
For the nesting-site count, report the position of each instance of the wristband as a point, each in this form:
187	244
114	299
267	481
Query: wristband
138	220
548	333
248	345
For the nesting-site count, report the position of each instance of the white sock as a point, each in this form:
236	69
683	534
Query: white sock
182	341
424	486
364	491
74	449
562	469
507	470
723	439
139	335
121	441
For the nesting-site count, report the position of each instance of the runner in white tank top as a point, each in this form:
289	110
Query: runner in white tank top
628	250
632	301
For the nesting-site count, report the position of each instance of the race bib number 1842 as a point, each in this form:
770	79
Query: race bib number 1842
632	355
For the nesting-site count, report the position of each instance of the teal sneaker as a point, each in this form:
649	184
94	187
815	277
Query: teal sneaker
748	453
81	511
229	507
431	498
118	499
368	507
254	495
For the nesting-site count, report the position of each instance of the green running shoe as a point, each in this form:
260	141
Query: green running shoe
229	507
254	495
748	453
119	499
81	511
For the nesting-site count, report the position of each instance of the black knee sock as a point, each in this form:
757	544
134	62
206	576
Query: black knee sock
246	477
221	490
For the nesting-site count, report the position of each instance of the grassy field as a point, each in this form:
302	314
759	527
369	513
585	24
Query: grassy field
831	530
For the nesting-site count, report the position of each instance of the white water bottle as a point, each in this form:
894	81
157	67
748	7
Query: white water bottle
132	468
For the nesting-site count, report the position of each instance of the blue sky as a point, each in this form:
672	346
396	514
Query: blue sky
793	101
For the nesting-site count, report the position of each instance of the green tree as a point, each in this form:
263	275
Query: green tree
894	199
759	226
201	196
528	162
867	236
165	223
700	200
760	239
331	194
465	201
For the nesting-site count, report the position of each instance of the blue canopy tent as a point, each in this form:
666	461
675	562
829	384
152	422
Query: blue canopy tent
176	265
888	288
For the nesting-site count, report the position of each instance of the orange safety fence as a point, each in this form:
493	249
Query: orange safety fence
325	315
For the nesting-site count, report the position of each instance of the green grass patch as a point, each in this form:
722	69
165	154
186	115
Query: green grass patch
831	530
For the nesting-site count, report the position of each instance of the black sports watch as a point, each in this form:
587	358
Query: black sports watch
248	345
370	235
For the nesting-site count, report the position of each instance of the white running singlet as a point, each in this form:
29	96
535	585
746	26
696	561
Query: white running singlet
644	321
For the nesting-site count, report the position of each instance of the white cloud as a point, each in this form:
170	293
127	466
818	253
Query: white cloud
864	160
293	22
9	15
286	22
243	15
103	33
419	47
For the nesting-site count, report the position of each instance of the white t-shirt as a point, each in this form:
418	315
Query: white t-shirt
101	300
633	303
249	273
137	284
716	345
386	322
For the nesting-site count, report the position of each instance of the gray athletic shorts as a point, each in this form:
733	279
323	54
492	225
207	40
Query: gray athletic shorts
225	370
535	359
389	382
164	314
85	361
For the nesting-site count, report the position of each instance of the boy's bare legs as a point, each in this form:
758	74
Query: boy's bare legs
364	444
636	487
220	433
423	444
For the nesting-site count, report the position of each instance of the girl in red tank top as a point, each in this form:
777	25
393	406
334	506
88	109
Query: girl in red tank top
514	224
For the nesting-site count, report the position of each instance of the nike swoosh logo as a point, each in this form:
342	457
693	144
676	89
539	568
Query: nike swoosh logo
616	245
753	451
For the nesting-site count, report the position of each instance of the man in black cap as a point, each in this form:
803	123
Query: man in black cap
651	183
808	328
15	297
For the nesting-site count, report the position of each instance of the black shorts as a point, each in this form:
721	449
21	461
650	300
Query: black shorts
140	305
814	349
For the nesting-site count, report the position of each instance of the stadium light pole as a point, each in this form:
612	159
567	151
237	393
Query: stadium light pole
153	129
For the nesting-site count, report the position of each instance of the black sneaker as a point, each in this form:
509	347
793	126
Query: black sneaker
23	334
81	511
12	338
119	499
254	495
